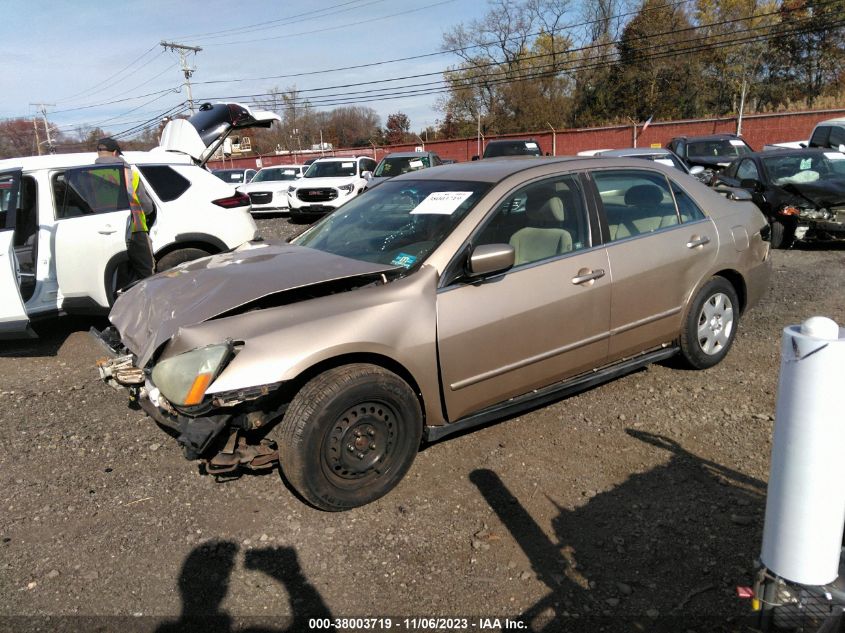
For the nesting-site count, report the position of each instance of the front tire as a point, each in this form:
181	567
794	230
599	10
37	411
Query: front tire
349	436
782	235
179	256
710	325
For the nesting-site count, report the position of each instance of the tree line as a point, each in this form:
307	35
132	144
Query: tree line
530	64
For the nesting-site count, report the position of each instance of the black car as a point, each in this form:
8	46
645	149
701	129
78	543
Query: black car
714	152
801	192
511	147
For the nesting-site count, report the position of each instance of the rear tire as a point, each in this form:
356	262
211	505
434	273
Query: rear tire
179	256
710	325
782	235
349	436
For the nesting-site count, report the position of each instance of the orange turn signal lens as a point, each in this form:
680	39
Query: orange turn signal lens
197	390
790	211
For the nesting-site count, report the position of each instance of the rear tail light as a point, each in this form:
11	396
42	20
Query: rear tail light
238	200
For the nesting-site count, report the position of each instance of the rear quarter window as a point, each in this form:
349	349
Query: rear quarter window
165	181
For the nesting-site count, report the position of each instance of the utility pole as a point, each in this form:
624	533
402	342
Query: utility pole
183	51
49	141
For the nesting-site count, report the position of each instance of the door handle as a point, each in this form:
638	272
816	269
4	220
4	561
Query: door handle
586	275
106	230
698	241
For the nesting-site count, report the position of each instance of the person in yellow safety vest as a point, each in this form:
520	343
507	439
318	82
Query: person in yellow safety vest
139	248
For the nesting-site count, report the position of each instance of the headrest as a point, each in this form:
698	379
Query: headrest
643	196
551	212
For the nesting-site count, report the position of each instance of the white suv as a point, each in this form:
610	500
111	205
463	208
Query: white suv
328	183
63	223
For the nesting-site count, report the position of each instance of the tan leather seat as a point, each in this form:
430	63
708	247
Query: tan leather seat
544	238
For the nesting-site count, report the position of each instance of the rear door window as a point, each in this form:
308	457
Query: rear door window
820	134
166	182
837	137
635	202
90	191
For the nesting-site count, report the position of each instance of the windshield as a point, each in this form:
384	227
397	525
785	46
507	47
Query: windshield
276	173
331	169
512	148
398	222
800	169
389	167
229	175
723	147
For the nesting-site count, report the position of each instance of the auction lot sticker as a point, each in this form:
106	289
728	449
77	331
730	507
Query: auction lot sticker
442	202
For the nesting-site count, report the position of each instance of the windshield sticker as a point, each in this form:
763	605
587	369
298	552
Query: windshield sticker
442	202
403	259
736	143
290	172
806	163
664	161
347	165
415	164
531	145
835	155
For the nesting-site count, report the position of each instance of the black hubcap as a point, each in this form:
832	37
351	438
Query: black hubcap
361	441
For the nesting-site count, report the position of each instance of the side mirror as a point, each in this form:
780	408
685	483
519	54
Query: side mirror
475	157
733	193
366	175
491	258
752	184
695	170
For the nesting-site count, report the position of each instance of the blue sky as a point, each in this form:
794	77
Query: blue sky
70	53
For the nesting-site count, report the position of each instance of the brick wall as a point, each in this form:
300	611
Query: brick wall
757	130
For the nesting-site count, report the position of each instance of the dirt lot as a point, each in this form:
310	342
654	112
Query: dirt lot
635	504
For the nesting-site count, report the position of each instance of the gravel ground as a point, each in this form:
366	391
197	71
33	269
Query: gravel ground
636	503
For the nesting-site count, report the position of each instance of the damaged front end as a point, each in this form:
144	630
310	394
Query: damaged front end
224	430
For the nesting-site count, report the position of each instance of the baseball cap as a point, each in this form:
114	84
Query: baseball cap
108	144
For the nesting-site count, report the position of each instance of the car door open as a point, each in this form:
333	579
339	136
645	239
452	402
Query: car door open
14	322
92	210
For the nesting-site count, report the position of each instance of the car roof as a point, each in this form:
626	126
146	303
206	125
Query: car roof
711	137
637	151
503	141
325	159
407	154
497	169
81	159
809	151
837	121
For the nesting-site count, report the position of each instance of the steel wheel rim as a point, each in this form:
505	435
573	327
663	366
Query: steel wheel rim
715	324
361	444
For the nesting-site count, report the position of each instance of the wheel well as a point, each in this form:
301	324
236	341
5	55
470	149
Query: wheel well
348	359
737	281
208	247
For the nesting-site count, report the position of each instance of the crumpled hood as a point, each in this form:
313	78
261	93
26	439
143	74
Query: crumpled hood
153	310
826	193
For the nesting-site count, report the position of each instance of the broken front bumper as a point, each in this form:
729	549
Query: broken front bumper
197	434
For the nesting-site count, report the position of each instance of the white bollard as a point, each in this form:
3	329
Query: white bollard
805	503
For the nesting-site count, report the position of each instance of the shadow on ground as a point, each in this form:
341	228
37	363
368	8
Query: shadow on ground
683	533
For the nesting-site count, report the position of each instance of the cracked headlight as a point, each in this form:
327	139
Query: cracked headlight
184	379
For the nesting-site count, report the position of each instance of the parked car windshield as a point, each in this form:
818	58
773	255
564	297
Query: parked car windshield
720	147
331	169
398	222
390	167
275	173
798	168
512	148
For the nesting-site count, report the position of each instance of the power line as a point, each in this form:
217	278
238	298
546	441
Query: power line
531	74
527	58
110	77
287	20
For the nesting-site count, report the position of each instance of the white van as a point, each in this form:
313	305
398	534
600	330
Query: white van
63	219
